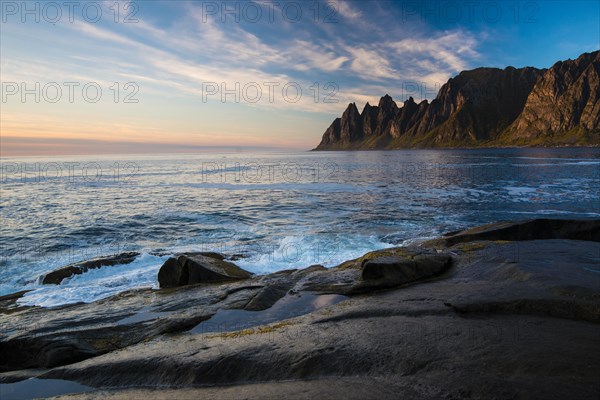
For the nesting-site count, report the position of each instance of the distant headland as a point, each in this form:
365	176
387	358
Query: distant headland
484	107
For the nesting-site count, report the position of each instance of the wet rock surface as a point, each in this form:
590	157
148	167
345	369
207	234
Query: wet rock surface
535	229
393	271
475	318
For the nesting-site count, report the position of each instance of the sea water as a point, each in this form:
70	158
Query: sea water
278	210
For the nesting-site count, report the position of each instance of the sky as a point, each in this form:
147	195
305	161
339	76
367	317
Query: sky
100	77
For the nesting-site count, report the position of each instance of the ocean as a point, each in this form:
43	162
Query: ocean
279	210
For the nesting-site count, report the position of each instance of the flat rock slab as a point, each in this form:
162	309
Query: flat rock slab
399	270
535	229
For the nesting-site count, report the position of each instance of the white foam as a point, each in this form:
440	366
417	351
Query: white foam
97	283
290	252
293	252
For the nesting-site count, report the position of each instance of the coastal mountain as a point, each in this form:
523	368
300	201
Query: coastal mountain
484	107
565	100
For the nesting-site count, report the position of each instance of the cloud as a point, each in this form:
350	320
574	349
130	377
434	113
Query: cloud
94	30
239	61
305	56
449	52
347	11
370	64
229	53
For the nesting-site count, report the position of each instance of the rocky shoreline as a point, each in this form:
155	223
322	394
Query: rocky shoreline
506	310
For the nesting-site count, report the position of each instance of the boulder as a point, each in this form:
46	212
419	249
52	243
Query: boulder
170	274
191	268
56	277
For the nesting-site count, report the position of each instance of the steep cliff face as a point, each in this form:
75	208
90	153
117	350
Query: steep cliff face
477	105
563	105
484	107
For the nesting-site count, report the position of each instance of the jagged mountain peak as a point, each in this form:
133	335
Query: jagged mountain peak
367	109
387	101
351	110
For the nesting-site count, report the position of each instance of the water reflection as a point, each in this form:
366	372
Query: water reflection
287	307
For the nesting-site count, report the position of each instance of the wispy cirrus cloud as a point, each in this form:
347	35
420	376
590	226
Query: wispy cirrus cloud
201	49
451	51
347	11
371	64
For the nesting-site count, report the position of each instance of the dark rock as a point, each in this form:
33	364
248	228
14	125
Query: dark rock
191	268
170	274
565	99
56	277
267	297
405	118
369	119
351	124
20	375
478	328
345	130
475	106
34	337
212	254
202	269
44	353
387	110
8	303
331	137
309	270
545	307
535	229
394	271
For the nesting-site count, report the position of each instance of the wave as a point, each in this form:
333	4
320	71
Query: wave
302	251
97	284
287	253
